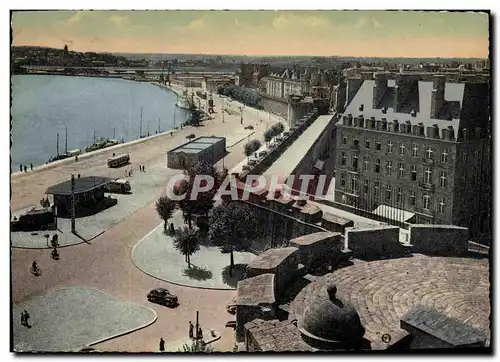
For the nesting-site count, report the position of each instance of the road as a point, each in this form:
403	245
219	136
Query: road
106	262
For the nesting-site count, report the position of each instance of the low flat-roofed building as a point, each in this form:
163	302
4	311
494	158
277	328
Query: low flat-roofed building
88	191
209	149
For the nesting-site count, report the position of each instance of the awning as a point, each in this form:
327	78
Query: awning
393	213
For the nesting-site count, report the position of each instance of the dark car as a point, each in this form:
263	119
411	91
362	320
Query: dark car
162	296
249	127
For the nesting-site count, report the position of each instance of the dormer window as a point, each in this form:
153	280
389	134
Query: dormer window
413	113
384	110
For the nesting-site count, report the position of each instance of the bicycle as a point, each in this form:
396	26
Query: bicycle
36	271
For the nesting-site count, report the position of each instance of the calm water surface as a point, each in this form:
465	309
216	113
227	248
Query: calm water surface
43	105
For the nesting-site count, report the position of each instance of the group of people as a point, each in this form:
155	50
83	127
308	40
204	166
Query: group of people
24	319
199	332
25	168
142	168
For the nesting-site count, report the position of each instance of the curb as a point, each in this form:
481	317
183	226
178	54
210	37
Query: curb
247	136
112	297
168	281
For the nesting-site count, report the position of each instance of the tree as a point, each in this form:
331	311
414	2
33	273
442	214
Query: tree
204	200
268	135
252	147
232	227
278	128
187	242
165	207
65	48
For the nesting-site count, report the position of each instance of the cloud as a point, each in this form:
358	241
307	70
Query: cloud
119	20
76	18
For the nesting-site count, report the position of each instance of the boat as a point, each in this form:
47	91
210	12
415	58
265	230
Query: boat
102	143
64	155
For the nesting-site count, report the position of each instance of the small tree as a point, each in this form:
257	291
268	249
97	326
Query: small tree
165	207
252	147
187	242
278	128
248	150
268	136
232	227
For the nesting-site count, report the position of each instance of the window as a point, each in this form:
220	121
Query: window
399	195
388	192
444	156
354	184
377	165
343	160
344	140
378	146
367	143
412	198
443	177
428	175
342	180
355	162
427	202
389	147
355	143
464	155
413	173
402	148
365	163
414	151
389	167
428	153
401	170
441	205
365	186
376	188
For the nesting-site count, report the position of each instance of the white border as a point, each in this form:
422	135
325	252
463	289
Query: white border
186	4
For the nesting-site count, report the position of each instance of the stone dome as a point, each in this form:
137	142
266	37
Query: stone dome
330	320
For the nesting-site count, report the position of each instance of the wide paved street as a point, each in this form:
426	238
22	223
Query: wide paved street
105	263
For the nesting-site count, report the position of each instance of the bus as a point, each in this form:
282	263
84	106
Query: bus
119	160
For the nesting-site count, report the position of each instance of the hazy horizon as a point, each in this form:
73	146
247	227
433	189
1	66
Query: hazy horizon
356	34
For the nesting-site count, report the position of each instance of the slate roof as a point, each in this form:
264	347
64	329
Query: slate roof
458	97
83	184
256	290
271	258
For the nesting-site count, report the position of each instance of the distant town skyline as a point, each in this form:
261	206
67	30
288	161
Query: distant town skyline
408	34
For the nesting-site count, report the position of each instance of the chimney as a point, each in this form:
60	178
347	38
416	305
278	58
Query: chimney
396	125
437	97
378	122
379	88
384	124
408	127
451	132
436	130
349	119
445	134
344	120
430	132
361	121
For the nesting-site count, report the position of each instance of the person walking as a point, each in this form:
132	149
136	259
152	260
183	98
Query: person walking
23	319
25	168
143	168
31	166
26	317
191	329
21	167
162	345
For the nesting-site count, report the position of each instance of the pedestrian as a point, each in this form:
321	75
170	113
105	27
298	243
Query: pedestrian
191	328
21	167
199	335
76	158
162	345
113	154
143	168
26	317
78	175
23	319
31	165
25	168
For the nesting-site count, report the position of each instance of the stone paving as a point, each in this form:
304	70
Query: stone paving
383	291
70	318
155	255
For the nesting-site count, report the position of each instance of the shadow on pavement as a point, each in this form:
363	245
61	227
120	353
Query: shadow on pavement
239	273
198	273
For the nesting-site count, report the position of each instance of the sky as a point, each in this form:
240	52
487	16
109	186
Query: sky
410	34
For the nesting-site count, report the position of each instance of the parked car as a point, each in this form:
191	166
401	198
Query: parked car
162	296
249	127
191	136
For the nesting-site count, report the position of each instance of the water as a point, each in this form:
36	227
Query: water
43	105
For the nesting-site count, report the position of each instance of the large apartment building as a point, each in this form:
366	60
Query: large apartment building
416	151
